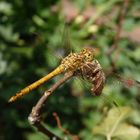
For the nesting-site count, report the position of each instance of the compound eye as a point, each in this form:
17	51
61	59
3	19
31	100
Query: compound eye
89	54
84	50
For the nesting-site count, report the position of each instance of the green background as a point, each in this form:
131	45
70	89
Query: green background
33	40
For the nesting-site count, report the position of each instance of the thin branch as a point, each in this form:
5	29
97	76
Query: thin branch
59	124
45	131
35	116
108	137
122	14
73	137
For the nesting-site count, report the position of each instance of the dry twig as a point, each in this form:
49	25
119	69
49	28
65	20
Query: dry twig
122	14
73	137
35	116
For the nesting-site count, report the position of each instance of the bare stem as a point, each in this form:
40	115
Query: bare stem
122	14
108	137
121	18
35	116
73	137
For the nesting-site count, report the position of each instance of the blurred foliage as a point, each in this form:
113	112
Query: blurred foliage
113	126
33	36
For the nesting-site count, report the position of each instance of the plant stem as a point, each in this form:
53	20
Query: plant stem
35	116
108	137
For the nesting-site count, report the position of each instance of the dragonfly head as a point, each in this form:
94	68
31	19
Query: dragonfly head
88	54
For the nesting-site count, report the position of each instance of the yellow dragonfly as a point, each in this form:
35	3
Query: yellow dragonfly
82	63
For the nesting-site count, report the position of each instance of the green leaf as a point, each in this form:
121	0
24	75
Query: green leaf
7	33
112	125
35	136
39	21
6	8
126	132
3	64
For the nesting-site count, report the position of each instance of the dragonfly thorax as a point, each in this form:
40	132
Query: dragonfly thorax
75	61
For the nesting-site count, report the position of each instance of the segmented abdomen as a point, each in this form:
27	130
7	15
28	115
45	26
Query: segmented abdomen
93	72
36	84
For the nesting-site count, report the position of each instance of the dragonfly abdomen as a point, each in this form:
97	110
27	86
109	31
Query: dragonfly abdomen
36	84
93	72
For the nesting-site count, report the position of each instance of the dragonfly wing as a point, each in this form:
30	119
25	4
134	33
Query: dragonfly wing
96	83
93	72
127	82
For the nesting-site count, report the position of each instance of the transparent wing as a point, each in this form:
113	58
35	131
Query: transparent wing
127	82
82	88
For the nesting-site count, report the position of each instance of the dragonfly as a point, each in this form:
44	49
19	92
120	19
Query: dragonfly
81	64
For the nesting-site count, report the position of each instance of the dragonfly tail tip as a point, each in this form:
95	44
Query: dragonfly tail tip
11	100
